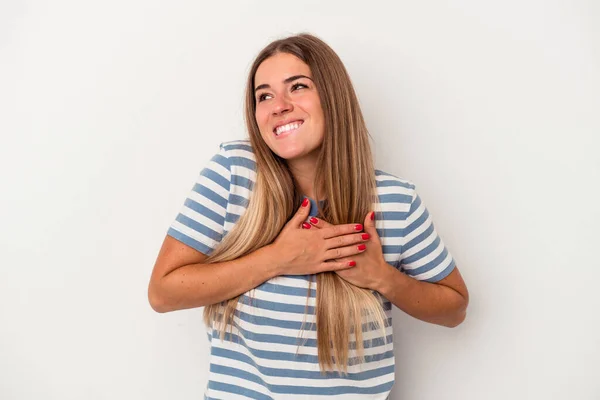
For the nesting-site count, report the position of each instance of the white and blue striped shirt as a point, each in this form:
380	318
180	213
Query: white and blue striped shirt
272	353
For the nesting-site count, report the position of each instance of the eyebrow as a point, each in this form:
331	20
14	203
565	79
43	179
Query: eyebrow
286	80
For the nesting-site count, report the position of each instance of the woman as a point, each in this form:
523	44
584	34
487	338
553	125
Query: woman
297	246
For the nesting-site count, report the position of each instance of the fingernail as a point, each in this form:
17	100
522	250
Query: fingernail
373	216
365	236
358	227
352	264
305	202
306	225
313	220
361	247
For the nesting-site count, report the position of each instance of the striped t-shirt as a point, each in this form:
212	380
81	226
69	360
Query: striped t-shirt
272	351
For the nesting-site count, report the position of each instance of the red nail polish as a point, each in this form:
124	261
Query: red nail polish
365	236
352	263
358	227
373	216
306	225
361	247
313	220
305	202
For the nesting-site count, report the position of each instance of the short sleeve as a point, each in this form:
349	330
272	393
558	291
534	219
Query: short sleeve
200	222
424	255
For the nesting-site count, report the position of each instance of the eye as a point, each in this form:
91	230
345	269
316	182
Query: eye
298	85
263	96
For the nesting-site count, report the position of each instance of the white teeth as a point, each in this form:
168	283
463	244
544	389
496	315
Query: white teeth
287	127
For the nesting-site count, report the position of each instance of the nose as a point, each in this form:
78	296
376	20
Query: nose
282	105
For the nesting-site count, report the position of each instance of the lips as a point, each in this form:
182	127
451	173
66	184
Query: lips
287	126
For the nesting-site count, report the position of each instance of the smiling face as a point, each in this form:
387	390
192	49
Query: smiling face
288	108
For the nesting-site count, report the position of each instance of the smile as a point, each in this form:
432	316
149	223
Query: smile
287	127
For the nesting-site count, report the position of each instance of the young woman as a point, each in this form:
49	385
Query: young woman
297	246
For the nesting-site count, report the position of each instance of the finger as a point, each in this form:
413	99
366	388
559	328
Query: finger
338	230
347	251
369	224
301	214
337	265
319	223
346	240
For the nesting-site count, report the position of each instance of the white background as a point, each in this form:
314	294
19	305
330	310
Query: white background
108	111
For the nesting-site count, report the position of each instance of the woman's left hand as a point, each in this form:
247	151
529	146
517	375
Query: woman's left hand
370	265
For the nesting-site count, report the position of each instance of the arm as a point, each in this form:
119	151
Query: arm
418	291
180	280
443	303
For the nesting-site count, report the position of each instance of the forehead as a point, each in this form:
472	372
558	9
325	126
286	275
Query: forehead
278	67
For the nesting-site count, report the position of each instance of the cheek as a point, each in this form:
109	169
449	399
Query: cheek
317	114
261	119
313	106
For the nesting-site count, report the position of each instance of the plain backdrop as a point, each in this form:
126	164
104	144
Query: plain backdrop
109	110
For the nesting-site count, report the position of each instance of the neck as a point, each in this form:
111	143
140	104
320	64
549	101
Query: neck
304	171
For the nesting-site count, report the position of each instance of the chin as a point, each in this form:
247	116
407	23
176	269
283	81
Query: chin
289	155
297	154
291	150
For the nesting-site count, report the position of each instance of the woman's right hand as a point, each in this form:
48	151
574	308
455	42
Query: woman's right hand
302	251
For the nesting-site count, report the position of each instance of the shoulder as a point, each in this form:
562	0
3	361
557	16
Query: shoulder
237	145
391	188
239	154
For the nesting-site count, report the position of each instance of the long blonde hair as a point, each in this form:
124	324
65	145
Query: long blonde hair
341	308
